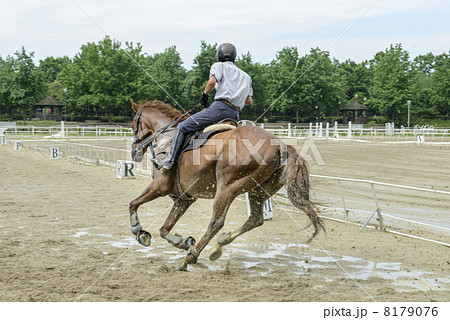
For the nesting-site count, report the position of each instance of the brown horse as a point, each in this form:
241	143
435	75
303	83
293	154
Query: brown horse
244	159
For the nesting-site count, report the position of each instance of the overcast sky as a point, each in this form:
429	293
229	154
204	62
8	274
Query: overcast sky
348	29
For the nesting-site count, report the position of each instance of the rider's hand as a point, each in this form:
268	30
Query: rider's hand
204	99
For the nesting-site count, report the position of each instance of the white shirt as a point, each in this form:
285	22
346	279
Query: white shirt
233	84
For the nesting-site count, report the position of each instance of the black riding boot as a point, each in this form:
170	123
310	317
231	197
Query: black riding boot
171	157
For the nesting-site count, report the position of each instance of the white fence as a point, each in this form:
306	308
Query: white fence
92	154
79	131
393	219
325	130
84	150
290	130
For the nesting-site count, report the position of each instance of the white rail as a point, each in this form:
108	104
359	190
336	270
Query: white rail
382	184
325	130
291	130
109	156
378	209
72	130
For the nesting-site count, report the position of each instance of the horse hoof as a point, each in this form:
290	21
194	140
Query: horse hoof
174	239
216	252
180	265
224	238
144	238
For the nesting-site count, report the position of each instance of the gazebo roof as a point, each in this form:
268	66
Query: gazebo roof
49	102
353	105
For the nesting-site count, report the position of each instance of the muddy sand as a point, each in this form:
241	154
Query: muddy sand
65	236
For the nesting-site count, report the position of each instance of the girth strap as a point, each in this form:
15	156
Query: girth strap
181	194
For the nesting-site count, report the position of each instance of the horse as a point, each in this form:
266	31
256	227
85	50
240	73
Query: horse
244	159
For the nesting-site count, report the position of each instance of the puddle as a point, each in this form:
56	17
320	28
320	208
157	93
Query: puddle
80	234
264	260
106	235
124	243
298	259
148	214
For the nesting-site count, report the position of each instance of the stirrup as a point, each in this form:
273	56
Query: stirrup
156	162
161	164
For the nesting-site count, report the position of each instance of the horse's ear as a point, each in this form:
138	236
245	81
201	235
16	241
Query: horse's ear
134	105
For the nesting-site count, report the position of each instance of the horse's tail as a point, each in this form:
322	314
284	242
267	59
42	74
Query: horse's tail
295	177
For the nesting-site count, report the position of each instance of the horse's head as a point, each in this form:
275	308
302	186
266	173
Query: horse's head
141	130
152	118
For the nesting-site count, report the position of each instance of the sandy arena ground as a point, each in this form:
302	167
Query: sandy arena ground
65	236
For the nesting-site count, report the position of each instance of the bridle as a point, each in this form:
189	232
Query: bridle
147	141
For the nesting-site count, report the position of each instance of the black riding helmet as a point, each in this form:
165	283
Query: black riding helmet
226	52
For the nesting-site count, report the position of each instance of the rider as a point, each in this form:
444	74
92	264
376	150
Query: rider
233	92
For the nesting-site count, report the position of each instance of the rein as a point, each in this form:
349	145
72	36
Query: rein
141	144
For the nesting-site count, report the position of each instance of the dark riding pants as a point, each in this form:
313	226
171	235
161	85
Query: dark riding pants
216	112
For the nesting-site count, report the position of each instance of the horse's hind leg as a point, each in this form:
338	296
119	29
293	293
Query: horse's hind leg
178	209
256	219
222	202
257	198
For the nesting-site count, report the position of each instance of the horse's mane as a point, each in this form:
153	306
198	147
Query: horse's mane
164	108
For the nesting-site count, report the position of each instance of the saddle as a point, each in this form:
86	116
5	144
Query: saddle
197	139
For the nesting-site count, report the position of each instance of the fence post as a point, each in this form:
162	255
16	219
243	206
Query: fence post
377	211
349	132
289	130
310	130
327	130
343	200
320	130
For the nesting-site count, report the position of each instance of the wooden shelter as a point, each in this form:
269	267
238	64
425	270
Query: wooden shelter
49	109
354	109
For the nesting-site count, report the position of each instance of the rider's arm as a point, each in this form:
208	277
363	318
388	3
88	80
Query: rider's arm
248	101
210	85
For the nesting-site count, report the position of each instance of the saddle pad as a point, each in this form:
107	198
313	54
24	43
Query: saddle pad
198	139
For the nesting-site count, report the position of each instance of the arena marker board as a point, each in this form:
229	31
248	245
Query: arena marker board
17	145
267	209
54	153
125	169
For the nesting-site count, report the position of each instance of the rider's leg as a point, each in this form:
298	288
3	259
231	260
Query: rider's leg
216	112
169	160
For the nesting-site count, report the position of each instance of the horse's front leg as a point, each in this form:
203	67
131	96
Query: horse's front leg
153	191
178	209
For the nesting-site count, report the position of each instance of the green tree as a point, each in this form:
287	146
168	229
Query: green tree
196	78
391	83
421	86
165	77
51	66
441	85
283	72
104	77
357	76
6	75
310	85
257	72
22	83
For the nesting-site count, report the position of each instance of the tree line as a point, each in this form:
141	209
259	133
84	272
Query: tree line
102	78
